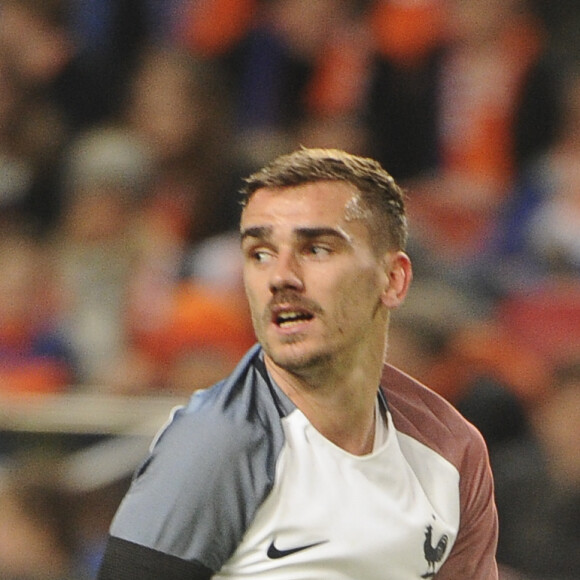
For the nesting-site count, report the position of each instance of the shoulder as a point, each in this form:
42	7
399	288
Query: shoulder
225	430
425	416
208	471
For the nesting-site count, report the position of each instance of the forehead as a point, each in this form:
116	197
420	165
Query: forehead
323	202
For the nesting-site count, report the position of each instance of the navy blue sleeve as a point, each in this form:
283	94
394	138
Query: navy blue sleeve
125	560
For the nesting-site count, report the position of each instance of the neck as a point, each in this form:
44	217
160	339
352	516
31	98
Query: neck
339	404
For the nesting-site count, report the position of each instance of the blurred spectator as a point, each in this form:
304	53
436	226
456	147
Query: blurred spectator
67	64
449	84
76	54
207	326
212	27
134	325
552	231
448	119
36	55
493	49
516	342
544	318
538	486
36	42
99	243
293	59
178	106
34	353
36	536
423	331
32	134
402	106
109	36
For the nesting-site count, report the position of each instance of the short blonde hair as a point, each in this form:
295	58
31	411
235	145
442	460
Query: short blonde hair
379	193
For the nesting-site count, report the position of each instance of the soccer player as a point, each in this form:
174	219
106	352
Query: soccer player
314	459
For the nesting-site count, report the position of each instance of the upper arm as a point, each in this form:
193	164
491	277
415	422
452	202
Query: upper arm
474	553
194	497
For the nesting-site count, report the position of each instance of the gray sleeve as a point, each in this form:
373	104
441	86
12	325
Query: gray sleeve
199	489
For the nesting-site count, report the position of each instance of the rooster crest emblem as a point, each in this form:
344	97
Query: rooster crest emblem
433	554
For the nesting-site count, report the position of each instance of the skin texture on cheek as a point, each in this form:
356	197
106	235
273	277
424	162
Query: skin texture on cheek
358	302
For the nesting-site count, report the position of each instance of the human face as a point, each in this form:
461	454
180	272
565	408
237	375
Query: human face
314	284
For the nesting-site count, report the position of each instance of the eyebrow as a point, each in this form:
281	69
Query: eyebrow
304	233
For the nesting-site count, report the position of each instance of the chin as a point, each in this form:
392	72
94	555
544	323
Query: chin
296	357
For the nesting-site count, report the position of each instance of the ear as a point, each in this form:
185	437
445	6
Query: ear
398	276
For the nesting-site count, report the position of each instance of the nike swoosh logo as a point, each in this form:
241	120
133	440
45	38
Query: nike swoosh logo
274	553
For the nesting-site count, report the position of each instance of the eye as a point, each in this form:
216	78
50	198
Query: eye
260	255
318	250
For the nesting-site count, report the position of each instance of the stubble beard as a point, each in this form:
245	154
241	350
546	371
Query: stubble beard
294	355
299	361
291	352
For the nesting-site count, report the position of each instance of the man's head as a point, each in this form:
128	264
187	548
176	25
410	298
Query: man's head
321	234
379	199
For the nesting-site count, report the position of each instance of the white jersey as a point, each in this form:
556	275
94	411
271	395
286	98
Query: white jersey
349	516
241	485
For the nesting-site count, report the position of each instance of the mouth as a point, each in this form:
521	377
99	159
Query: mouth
287	318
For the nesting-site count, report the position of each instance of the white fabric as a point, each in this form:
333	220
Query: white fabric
370	512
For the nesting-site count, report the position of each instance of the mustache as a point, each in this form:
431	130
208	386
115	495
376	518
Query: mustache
296	300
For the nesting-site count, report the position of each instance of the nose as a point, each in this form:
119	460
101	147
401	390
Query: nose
286	273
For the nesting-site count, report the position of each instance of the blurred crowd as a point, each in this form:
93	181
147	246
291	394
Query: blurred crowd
126	127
